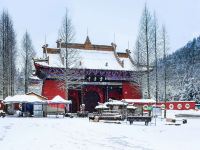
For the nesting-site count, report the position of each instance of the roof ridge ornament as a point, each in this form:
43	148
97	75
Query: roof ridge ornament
130	58
116	55
87	41
59	42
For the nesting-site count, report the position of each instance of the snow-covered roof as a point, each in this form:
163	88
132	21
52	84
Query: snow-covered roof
59	100
128	65
89	56
54	60
34	77
23	99
91	59
102	106
139	100
104	60
37	95
131	107
116	102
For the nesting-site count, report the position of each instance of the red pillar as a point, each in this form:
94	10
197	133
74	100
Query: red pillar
73	95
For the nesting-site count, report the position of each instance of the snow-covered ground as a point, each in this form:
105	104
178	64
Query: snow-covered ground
78	133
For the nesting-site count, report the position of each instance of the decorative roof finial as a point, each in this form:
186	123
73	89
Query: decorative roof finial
87	41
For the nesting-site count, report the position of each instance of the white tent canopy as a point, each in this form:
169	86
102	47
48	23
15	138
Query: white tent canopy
59	100
23	99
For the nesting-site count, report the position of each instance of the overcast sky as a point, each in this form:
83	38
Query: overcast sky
103	18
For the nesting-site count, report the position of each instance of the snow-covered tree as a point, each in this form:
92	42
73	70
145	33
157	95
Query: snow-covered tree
144	48
8	53
156	52
183	72
164	46
27	53
66	34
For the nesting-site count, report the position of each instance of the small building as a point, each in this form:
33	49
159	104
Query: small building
29	104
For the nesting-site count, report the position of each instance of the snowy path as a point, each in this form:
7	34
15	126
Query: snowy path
66	133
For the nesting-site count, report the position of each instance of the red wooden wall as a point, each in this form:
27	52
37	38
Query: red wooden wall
52	88
131	91
179	105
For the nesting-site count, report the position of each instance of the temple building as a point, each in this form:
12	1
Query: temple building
95	73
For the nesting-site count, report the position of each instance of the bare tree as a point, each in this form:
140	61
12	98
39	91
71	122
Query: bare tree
137	55
66	34
155	37
27	54
145	40
164	47
8	51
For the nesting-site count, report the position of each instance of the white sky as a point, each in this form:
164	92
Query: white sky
103	18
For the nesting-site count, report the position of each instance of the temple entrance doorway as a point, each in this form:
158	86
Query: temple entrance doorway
91	100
